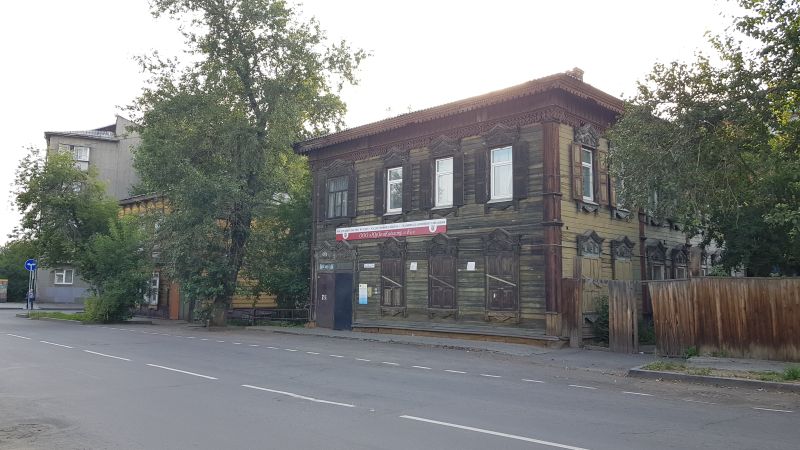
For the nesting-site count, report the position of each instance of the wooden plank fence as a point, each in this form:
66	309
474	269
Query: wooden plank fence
737	317
623	316
572	311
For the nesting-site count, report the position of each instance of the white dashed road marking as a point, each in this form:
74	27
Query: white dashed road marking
638	393
532	381
773	410
493	433
362	359
582	387
107	356
57	345
298	396
310	353
698	401
17	336
336	356
183	371
454	371
490	376
421	367
389	363
290	349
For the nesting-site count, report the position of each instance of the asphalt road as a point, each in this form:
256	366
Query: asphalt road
64	385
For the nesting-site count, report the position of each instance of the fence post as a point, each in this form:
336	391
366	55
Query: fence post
623	333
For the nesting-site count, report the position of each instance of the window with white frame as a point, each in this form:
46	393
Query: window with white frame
337	197
64	276
80	153
587	173
502	173
444	182
394	186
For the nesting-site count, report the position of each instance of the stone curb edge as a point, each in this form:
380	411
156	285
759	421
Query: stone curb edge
134	322
393	341
639	372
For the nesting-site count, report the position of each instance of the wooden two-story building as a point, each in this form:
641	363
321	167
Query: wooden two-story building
465	217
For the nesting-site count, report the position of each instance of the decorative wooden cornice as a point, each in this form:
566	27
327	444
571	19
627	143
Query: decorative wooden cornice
335	251
590	244
622	248
396	157
500	240
338	167
444	145
501	135
563	82
587	135
442	244
656	251
393	248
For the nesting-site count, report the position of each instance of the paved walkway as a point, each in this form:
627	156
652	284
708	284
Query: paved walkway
44	306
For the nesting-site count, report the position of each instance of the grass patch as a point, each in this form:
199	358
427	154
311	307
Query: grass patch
667	366
703	371
792	373
79	316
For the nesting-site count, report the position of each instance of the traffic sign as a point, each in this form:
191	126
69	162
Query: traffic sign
30	265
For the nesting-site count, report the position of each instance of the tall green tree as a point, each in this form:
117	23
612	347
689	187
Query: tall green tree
62	206
217	134
713	143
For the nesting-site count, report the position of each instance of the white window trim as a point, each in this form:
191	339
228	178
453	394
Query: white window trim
493	197
590	166
436	202
389	183
63	274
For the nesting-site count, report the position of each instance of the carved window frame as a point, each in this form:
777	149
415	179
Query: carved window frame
443	245
337	168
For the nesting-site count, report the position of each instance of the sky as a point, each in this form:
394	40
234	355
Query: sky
69	65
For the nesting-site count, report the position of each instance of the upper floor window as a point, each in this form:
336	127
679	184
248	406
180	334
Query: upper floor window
337	197
64	276
587	173
80	153
501	174
394	188
444	182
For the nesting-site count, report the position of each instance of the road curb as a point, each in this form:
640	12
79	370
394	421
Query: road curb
56	320
639	372
391	341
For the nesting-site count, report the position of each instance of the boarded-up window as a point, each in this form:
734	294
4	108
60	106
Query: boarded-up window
501	282
622	256
392	282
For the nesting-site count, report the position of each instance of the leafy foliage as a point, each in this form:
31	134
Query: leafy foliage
12	259
217	135
62	207
119	266
718	142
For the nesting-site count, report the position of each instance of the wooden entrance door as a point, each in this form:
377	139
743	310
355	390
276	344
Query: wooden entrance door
501	282
324	303
442	282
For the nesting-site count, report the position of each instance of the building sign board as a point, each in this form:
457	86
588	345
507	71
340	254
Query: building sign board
387	230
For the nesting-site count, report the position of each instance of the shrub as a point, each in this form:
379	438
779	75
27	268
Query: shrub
600	325
791	373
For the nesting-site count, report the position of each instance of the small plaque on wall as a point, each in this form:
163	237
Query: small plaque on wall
362	294
412	266
470	265
369	265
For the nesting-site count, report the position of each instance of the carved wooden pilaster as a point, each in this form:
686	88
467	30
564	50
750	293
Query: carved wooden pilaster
552	221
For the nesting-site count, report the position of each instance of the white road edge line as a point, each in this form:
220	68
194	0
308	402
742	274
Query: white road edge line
18	336
298	396
532	381
183	371
57	345
637	393
773	410
454	371
421	367
582	387
107	356
490	375
493	433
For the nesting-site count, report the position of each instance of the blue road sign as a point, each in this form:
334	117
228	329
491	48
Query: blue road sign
30	265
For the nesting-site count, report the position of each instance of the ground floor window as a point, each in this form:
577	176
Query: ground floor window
442	281
392	282
64	276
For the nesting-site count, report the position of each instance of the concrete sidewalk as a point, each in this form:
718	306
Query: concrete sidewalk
572	358
44	306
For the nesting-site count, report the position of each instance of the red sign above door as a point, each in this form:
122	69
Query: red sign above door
418	228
